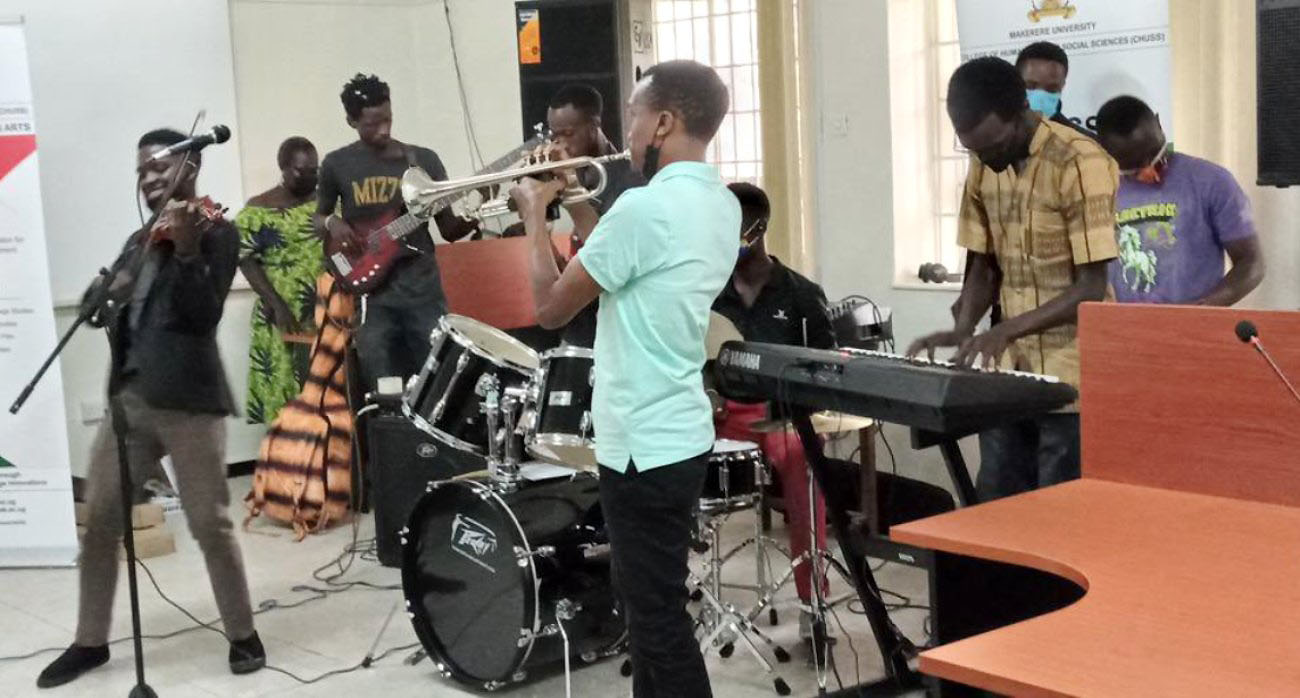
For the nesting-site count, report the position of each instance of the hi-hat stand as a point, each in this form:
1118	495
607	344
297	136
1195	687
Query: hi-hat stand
895	649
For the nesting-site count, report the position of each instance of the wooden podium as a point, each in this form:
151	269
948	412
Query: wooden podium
488	280
1172	568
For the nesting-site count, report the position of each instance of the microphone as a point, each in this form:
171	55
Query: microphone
218	134
1249	334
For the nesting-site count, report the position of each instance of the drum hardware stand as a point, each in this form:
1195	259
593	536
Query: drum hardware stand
767	600
820	642
566	610
503	460
766	586
718	618
895	648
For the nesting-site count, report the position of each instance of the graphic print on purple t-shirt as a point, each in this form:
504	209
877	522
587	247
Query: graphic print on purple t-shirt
1172	234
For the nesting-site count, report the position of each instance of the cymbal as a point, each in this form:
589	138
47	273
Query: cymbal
826	422
721	330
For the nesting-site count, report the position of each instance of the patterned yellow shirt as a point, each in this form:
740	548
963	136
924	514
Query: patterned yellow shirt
1056	214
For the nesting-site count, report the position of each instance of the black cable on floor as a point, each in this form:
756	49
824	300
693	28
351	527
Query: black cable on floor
357	548
365	662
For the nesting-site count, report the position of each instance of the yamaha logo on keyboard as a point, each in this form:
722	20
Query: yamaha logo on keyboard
740	359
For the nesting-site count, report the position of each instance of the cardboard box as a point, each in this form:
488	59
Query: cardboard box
154	541
142	515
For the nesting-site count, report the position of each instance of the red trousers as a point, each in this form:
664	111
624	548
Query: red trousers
785	455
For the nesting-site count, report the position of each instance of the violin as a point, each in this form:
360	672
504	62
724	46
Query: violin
204	209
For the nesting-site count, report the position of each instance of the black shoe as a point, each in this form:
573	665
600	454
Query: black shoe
75	661
247	655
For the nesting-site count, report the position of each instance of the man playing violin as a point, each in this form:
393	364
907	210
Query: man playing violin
173	392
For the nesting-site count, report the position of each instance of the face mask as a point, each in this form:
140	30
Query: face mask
650	165
1044	102
1154	172
303	186
756	230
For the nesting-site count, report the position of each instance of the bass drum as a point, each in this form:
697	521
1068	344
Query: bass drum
488	576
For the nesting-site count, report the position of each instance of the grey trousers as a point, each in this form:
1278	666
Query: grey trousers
196	443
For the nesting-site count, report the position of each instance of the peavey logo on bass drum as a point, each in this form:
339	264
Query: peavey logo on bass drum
739	359
473	540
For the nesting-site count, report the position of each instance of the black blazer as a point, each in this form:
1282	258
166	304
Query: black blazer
171	357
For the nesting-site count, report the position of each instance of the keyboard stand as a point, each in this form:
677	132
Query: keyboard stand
952	458
895	648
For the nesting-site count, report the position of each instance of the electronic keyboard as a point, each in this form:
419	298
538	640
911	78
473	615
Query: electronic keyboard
937	396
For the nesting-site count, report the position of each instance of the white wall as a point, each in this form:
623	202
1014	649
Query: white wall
291	60
103	73
854	198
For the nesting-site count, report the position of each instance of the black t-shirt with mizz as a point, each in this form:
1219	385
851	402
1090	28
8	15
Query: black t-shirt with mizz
368	185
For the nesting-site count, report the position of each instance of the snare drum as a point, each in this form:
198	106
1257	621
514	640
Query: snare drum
560	420
445	398
736	471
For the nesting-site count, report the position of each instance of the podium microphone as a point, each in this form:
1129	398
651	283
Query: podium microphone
1248	333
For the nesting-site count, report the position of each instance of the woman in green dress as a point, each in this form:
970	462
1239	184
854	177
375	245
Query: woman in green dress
281	257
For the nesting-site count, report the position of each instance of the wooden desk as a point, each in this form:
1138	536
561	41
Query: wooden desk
488	280
1187	594
1183	535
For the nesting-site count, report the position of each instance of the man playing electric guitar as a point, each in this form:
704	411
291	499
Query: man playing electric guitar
365	178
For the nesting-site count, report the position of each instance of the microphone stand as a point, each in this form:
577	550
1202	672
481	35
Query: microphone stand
102	303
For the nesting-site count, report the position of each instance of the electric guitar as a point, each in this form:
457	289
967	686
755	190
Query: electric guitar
362	265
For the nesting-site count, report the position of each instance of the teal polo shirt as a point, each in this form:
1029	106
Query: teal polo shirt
661	255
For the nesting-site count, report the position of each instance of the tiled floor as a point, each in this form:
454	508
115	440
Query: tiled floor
38	610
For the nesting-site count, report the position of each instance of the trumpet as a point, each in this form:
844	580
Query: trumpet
425	196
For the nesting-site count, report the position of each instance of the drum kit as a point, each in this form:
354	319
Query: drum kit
506	571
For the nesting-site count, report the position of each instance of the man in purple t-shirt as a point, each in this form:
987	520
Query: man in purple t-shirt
1176	215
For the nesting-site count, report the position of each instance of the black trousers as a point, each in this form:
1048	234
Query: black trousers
1027	455
394	339
649	517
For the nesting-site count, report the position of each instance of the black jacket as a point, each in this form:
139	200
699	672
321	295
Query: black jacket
787	302
170	357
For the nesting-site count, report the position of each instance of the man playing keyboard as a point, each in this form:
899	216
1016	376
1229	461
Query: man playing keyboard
1038	220
769	302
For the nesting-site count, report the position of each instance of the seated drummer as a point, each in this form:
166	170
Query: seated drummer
769	302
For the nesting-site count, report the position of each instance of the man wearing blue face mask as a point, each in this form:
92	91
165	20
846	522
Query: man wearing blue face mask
1044	67
770	302
766	300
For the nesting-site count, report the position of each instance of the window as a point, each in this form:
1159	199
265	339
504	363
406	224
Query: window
929	164
722	34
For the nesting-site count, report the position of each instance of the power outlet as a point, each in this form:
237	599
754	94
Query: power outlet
92	411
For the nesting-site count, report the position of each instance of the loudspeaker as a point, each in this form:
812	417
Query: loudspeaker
602	43
403	460
1278	91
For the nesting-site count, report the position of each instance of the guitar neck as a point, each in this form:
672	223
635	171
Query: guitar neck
404	225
